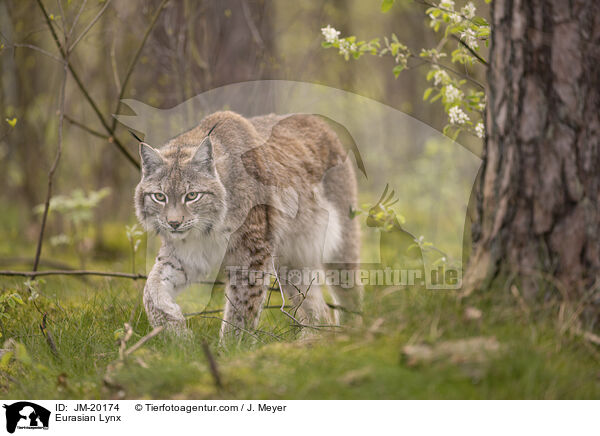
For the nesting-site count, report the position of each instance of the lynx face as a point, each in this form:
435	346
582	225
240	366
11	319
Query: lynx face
180	193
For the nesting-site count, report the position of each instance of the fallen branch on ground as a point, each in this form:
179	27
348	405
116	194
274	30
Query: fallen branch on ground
56	272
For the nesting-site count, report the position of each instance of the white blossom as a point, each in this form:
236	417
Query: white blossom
452	94
447	4
479	130
344	47
457	115
468	10
331	35
455	18
440	76
468	36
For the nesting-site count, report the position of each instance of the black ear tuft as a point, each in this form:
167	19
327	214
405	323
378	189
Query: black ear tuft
203	157
151	158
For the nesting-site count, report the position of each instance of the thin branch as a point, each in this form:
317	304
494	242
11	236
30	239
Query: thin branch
86	94
143	340
89	26
452	70
282	308
113	63
63	20
473	52
71	273
449	11
343	309
82	7
39	49
127	333
135	59
206	312
61	114
88	129
234	326
86	273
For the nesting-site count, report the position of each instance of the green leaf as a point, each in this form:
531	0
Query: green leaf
386	5
428	92
480	21
398	69
435	98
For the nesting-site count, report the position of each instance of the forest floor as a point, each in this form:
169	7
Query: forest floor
412	344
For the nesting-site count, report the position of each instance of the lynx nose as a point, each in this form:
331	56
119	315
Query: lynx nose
174	224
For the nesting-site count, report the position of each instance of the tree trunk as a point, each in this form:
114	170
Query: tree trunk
538	194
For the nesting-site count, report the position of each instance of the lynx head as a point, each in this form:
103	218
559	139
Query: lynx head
180	192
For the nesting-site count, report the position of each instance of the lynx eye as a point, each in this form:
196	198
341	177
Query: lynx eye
159	197
190	197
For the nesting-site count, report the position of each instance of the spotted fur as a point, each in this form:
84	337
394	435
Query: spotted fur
276	190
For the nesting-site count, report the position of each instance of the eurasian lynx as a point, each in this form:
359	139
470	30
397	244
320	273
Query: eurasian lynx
255	194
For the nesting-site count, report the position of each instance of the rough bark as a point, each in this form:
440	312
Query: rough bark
538	197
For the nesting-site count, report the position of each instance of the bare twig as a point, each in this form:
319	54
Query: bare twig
134	61
61	272
71	273
85	92
207	312
212	364
283	296
234	326
88	129
81	8
143	340
113	64
343	309
128	332
39	49
89	26
61	113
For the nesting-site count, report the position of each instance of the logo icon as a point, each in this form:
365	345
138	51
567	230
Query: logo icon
26	415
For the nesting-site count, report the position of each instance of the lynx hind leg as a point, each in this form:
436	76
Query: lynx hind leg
340	190
347	292
347	295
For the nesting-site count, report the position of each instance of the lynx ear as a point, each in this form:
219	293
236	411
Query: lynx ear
203	158
151	159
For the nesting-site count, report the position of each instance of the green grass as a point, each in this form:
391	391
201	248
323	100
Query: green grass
535	359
